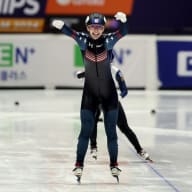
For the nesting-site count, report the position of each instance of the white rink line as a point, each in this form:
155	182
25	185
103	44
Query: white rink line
163	131
75	114
20	116
37	114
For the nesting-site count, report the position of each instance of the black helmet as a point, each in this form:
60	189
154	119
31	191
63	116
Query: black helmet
95	18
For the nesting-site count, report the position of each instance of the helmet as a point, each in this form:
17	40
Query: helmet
95	18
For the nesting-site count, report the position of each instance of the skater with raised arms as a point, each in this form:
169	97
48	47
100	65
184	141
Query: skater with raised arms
99	87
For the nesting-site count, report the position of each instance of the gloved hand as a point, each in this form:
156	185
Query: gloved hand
124	91
121	16
122	84
80	74
58	24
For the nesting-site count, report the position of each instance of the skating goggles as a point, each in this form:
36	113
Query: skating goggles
95	26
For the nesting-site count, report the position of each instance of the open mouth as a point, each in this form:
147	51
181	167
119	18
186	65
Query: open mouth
95	34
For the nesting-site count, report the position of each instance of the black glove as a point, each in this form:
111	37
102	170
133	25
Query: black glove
80	74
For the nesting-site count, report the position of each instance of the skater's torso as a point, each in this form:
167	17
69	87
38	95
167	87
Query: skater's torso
97	56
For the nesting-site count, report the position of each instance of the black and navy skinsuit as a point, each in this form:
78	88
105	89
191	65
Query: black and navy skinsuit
99	88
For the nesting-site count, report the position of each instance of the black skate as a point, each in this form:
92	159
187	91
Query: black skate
145	156
115	171
94	153
78	171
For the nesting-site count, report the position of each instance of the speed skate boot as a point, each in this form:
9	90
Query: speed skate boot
115	171
78	171
145	155
94	153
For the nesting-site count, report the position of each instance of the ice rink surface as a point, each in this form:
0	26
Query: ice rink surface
38	141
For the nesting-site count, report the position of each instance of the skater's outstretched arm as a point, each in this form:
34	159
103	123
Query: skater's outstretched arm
79	37
112	38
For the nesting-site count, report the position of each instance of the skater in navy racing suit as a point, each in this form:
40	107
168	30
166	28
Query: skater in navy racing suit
99	87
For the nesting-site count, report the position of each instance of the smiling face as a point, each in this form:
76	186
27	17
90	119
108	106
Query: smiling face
95	30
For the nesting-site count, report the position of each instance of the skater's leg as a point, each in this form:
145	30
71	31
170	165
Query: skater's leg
87	124
110	120
93	141
124	127
93	138
88	107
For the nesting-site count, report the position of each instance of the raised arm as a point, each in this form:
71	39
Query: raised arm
121	17
79	37
112	38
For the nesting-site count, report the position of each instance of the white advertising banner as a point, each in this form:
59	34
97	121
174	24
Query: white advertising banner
38	60
135	56
53	60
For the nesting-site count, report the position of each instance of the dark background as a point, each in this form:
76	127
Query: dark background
152	17
161	17
148	17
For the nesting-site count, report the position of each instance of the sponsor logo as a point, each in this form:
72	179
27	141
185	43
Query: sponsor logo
6	55
22	15
71	7
121	55
184	63
78	61
20	7
10	58
21	25
81	2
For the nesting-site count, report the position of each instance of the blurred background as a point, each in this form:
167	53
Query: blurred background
157	53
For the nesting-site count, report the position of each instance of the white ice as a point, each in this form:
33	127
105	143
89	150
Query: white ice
38	141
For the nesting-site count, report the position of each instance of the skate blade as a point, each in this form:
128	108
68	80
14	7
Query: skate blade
116	178
149	160
78	179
